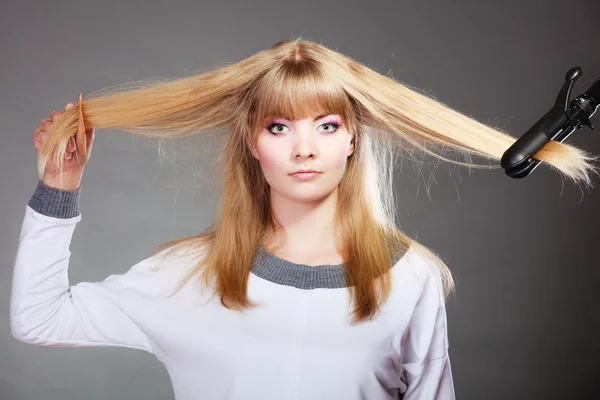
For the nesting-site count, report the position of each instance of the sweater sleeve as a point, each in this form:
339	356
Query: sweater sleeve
426	362
45	310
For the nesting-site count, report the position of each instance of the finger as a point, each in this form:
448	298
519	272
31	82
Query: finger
38	132
90	135
90	139
81	136
45	124
54	115
68	106
36	139
70	149
71	145
39	136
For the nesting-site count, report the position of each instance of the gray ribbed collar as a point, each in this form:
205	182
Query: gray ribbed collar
272	268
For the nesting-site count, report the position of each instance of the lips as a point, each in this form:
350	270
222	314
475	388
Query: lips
305	176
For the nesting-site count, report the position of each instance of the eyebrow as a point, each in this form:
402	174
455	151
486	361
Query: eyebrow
318	117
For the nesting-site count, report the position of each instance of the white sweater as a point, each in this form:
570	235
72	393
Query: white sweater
297	344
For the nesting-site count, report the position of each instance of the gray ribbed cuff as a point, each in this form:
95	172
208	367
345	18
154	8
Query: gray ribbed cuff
55	202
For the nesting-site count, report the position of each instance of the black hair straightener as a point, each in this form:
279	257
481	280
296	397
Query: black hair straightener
557	124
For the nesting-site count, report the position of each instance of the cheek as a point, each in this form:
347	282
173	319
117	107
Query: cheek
270	157
338	156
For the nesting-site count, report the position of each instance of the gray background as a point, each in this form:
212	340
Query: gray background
524	323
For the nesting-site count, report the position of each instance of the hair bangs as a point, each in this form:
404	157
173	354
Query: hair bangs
297	91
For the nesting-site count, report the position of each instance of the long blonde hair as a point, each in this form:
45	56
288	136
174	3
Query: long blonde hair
296	79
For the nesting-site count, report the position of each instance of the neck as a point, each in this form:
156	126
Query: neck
306	227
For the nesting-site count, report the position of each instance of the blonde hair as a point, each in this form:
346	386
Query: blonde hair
296	79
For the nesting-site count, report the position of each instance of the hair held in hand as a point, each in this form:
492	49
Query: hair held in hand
296	79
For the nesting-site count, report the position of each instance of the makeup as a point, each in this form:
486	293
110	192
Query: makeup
305	176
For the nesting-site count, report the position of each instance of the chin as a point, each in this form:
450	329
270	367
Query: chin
307	195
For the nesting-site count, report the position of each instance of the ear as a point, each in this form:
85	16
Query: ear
351	150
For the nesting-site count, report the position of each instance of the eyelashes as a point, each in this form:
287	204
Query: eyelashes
335	124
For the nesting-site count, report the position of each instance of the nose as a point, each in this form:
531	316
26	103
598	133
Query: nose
304	143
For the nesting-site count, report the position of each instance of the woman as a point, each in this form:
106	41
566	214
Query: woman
313	292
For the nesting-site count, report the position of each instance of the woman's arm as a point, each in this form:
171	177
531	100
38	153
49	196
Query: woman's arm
45	310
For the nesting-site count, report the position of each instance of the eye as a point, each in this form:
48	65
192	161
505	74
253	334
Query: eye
335	125
278	127
275	125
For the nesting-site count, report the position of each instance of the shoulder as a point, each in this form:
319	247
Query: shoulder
419	271
157	274
418	264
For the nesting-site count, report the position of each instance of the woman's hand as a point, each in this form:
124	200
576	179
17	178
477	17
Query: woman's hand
76	154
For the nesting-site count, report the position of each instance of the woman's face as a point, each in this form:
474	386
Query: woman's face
321	144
